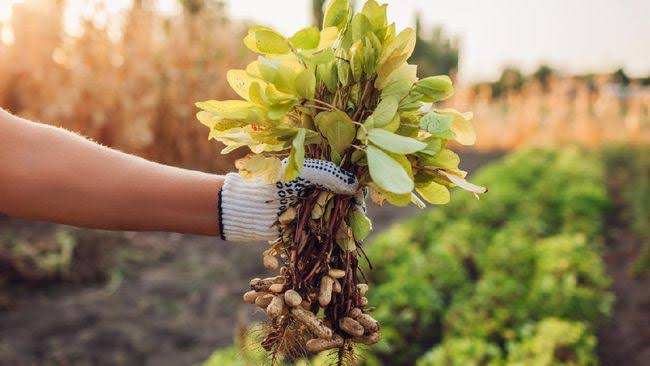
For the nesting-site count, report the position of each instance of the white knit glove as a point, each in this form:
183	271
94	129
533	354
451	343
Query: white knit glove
248	209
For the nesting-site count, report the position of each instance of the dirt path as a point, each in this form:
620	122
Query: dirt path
625	338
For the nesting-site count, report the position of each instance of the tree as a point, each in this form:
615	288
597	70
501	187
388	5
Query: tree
511	79
436	54
543	76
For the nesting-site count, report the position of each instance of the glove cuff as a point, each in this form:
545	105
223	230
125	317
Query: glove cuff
248	209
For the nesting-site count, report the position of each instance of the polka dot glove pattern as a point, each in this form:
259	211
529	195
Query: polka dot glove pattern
249	208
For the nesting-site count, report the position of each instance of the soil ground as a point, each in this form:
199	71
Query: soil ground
172	299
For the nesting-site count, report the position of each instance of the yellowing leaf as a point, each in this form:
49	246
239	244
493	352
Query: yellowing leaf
227	109
395	143
387	173
306	39
337	14
267	41
375	13
405	72
395	54
446	159
434	193
461	125
306	84
240	81
338	129
269	169
296	156
327	37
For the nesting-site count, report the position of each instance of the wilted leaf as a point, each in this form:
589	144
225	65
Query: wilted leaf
327	37
306	39
435	88
438	125
387	173
338	129
434	193
462	183
395	143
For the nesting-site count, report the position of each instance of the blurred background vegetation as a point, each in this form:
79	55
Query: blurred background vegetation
551	267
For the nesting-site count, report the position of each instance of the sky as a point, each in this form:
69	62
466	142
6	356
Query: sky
576	36
573	35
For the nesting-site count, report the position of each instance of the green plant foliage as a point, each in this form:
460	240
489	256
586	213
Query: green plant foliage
555	342
349	87
463	352
470	283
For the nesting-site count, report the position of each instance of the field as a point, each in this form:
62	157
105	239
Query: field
550	267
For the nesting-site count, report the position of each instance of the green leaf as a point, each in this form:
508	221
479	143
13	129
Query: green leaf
395	54
387	173
395	143
397	89
434	145
306	84
385	111
337	14
445	159
327	74
360	27
267	41
435	88
321	57
461	125
360	224
434	193
375	13
296	156
306	39
338	129
356	60
438	125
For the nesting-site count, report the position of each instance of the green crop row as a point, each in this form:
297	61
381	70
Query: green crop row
515	278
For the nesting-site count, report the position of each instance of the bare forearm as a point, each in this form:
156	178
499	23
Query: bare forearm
50	174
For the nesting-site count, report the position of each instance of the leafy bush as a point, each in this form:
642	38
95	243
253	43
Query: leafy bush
483	281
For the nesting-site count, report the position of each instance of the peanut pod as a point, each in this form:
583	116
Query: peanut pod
252	295
336	273
363	289
292	298
264	300
275	307
277	288
336	286
369	323
368	340
325	293
270	262
351	327
312	323
316	345
259	284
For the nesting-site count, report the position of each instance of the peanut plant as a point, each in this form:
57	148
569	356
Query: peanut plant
344	93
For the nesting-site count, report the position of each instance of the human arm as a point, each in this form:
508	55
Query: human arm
50	174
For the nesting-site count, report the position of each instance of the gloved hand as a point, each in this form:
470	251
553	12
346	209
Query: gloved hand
248	209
